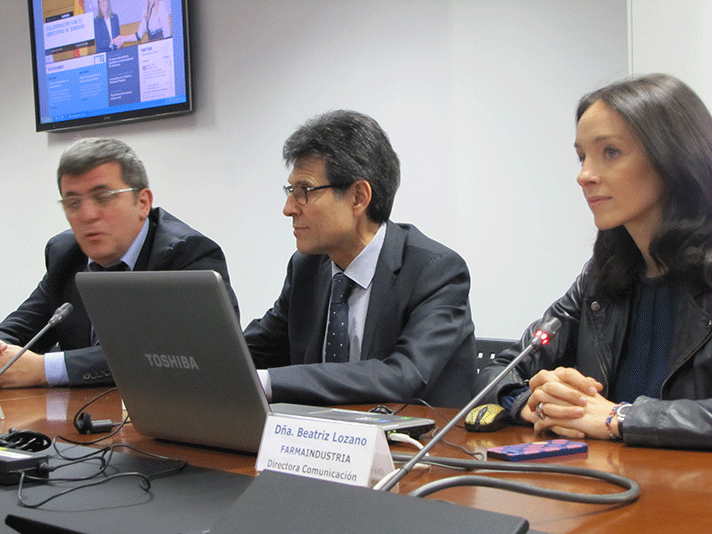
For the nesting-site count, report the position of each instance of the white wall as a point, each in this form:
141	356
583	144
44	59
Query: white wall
674	36
477	96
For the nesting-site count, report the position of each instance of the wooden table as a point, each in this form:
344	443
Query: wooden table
675	485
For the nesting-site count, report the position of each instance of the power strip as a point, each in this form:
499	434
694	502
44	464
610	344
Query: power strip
13	462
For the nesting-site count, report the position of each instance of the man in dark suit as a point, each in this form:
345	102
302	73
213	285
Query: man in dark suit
410	332
108	204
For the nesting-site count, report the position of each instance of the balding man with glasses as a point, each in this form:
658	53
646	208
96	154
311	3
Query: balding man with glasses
370	311
108	204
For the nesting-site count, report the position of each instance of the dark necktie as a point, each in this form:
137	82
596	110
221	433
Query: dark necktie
121	266
93	266
337	336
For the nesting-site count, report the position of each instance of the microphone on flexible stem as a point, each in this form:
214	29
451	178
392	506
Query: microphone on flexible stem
59	315
543	335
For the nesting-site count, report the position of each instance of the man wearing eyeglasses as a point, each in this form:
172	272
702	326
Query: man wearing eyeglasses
398	327
108	204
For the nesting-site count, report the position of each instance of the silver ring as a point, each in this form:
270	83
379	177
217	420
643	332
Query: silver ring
539	410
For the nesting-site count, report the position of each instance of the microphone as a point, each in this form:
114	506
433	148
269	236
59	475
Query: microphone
543	335
59	315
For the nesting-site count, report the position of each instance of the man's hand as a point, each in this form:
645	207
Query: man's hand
27	371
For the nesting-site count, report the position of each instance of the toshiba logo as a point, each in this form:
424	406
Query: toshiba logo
173	362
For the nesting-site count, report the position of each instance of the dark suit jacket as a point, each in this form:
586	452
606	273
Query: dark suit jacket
102	39
418	339
170	245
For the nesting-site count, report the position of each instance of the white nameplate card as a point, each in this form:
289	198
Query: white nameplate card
352	453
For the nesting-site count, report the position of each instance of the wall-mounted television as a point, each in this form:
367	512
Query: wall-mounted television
98	62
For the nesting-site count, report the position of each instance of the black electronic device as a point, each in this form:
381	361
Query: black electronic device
335	507
84	424
188	502
82	80
13	462
25	525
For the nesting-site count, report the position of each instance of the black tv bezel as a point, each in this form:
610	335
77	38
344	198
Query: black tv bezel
149	113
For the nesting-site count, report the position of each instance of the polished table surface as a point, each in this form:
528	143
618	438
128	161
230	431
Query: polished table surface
675	485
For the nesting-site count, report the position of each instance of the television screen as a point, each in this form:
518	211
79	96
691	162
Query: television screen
98	62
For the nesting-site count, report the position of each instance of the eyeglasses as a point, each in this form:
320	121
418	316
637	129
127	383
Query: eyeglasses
300	192
101	199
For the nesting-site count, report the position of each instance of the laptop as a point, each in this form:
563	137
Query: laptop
181	363
334	507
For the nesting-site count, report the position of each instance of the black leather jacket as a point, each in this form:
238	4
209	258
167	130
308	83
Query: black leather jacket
592	339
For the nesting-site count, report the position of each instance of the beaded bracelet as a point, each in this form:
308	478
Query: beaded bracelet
614	412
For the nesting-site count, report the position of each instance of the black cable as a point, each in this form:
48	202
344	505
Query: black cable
118	426
181	463
630	495
93	400
145	485
88	456
474	454
104	456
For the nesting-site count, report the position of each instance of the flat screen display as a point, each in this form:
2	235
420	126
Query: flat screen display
98	62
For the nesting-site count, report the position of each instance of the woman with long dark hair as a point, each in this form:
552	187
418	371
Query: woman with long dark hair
633	358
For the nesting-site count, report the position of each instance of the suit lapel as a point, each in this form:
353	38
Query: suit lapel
389	263
319	306
145	257
78	321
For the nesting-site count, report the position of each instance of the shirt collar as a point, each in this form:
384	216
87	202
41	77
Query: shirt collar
131	256
363	268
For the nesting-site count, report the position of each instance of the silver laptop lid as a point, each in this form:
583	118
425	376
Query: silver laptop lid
177	354
180	361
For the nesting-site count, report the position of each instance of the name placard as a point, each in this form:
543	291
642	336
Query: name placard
351	453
